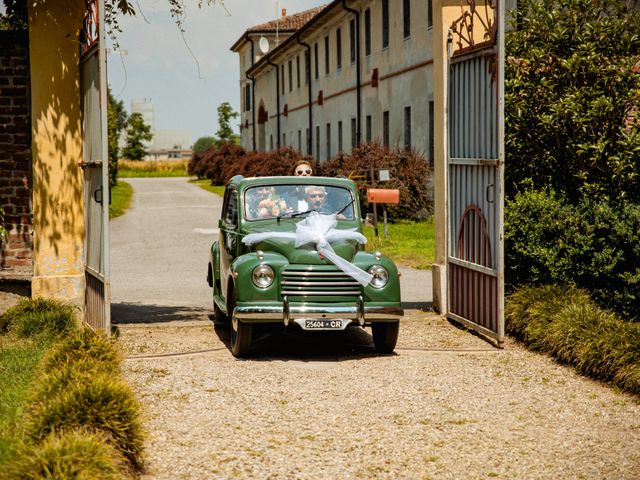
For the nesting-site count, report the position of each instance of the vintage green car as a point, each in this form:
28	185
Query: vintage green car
290	252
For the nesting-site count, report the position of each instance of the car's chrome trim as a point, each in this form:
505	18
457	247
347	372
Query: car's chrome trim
291	283
287	312
314	273
315	293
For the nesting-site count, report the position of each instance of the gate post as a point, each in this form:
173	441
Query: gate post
444	13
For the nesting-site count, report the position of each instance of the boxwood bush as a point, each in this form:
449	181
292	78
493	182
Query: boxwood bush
593	245
562	321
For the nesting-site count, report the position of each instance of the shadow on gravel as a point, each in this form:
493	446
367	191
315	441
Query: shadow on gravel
294	344
122	313
423	306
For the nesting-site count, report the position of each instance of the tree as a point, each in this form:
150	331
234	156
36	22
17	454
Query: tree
204	143
225	114
571	94
116	123
137	133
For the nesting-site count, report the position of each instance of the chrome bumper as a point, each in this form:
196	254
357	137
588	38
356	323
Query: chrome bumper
286	313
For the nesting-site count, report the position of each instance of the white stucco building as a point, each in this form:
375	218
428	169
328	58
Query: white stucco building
348	72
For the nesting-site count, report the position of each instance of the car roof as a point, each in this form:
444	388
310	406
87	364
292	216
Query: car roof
246	182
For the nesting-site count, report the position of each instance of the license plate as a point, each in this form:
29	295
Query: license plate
323	324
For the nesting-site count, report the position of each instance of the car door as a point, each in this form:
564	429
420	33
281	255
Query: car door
228	235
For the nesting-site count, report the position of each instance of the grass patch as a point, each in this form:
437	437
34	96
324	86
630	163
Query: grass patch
411	244
206	185
41	318
152	168
121	196
565	323
18	364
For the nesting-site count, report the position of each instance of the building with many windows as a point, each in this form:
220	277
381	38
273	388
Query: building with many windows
346	73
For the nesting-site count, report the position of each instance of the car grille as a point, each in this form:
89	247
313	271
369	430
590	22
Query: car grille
317	283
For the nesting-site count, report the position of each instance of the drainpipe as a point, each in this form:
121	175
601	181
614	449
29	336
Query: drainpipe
277	96
253	94
308	79
358	89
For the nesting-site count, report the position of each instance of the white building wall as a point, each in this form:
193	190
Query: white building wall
405	73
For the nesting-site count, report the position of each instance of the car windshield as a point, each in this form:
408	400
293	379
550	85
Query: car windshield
273	201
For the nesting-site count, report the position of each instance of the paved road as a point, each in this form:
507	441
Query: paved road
159	252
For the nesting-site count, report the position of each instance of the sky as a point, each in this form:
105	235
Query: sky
187	81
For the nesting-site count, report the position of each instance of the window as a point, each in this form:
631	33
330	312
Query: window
368	127
247	97
339	48
315	55
406	18
282	77
385	23
354	133
429	13
318	142
340	136
431	133
328	141
326	55
300	140
307	67
308	141
298	70
271	142
407	127
290	76
367	32
385	128
352	40
284	139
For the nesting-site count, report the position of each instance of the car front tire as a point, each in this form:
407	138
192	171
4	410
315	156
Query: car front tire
240	332
385	336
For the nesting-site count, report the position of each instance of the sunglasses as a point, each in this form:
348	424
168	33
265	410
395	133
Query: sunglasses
300	172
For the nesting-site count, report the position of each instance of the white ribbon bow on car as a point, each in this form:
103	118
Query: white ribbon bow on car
320	230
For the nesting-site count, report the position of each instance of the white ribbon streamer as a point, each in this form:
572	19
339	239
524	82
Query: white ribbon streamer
320	230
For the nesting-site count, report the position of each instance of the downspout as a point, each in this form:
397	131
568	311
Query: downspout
277	96
358	89
308	79
253	94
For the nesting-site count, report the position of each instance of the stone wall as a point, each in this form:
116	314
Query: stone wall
16	252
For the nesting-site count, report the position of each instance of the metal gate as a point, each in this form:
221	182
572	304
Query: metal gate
95	166
475	163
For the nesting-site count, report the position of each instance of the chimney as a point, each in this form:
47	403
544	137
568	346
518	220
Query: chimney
284	12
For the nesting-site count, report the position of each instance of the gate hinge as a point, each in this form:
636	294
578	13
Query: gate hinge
91	164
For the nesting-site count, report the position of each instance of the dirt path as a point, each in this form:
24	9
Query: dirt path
446	406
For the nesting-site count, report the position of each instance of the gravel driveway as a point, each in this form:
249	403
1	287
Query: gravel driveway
446	405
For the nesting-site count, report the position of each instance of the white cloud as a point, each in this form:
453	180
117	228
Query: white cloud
158	64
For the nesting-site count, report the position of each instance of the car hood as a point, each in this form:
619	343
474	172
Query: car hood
304	254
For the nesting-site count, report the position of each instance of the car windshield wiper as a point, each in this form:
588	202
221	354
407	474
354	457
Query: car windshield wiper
344	208
295	213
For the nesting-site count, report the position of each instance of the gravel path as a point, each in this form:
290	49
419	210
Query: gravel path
446	406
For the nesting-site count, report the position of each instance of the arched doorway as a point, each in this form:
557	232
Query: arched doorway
262	119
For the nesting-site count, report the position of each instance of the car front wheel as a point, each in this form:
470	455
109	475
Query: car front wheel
240	332
385	336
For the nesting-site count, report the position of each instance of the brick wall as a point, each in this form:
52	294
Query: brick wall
16	251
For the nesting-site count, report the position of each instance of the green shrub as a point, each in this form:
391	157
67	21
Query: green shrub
72	455
84	350
594	245
69	399
39	317
410	173
565	323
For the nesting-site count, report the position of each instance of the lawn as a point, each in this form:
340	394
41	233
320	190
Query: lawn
120	199
411	244
206	184
18	364
152	168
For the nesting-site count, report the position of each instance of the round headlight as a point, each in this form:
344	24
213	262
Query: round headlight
263	276
380	276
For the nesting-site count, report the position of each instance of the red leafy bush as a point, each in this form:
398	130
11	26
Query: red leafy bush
409	172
